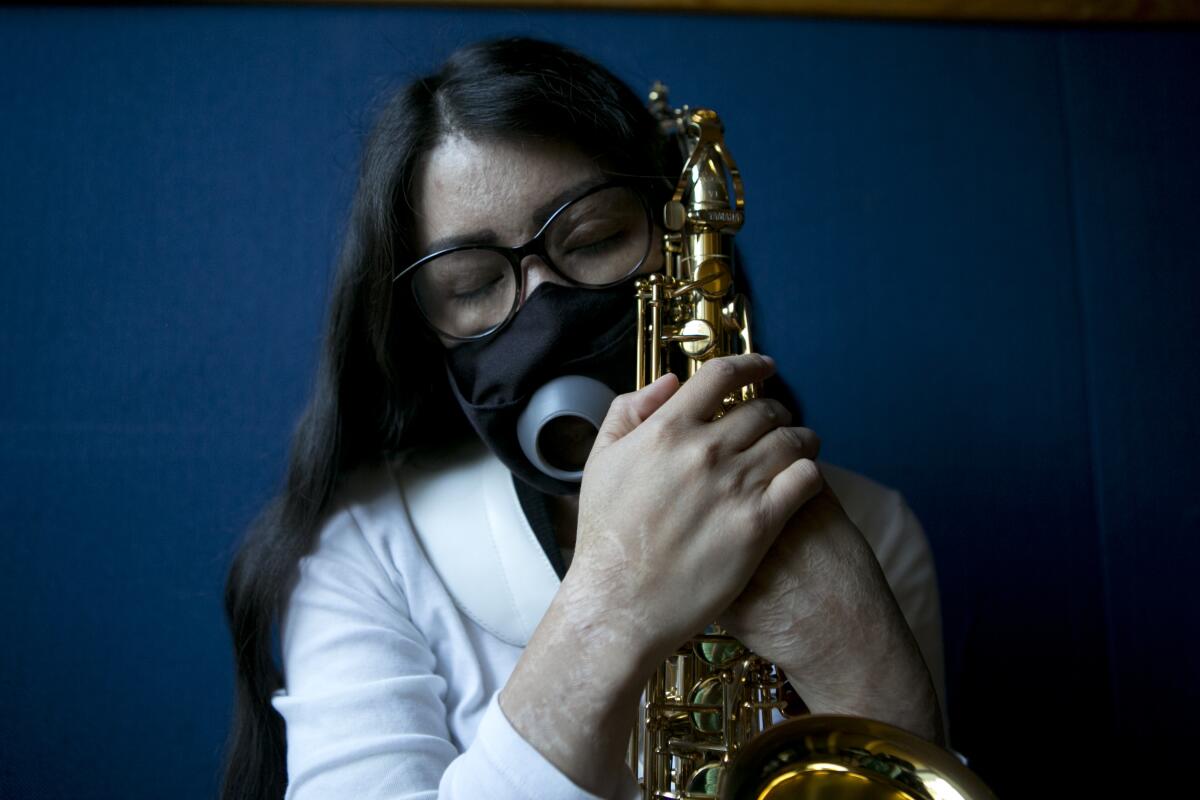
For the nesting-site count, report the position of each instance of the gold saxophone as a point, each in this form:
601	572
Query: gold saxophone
703	725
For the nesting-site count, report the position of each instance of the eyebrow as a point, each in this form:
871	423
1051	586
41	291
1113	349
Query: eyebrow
543	211
486	236
540	214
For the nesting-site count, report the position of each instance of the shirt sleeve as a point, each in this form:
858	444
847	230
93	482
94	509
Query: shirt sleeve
364	709
911	574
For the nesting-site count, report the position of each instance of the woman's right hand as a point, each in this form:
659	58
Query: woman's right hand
677	509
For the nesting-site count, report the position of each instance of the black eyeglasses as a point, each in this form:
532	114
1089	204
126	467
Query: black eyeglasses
596	240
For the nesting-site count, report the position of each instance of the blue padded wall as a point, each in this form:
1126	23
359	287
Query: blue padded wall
1135	162
975	255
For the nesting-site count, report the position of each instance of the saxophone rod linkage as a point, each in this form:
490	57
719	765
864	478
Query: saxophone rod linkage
699	283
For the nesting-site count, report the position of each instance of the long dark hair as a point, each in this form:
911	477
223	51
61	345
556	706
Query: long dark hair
380	387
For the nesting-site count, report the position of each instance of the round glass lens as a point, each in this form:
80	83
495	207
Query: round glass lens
466	293
600	238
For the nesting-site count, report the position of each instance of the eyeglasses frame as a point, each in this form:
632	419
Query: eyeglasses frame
536	246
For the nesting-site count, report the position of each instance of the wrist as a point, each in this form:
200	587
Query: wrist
879	676
574	692
585	653
605	634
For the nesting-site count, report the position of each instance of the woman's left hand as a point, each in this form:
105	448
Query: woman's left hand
820	607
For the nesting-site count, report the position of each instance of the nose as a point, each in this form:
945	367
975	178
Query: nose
536	273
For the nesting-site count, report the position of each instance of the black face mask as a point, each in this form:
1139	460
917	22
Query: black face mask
560	331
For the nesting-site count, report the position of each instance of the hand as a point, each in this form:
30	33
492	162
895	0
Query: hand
669	493
819	606
675	513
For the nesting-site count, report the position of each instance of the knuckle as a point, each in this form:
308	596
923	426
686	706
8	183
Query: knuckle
710	452
803	441
706	453
780	412
721	369
810	474
769	410
739	479
762	519
667	430
792	438
620	403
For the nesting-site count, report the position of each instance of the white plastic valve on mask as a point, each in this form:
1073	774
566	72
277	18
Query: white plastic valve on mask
579	402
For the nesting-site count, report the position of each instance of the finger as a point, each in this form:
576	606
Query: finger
798	483
630	410
748	422
775	451
700	398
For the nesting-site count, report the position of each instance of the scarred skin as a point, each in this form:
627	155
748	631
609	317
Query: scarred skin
669	492
819	606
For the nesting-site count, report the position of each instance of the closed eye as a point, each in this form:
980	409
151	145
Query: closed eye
597	246
479	293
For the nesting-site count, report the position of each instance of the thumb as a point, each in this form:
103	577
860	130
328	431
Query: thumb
630	410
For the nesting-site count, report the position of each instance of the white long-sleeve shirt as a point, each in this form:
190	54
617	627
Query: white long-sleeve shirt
413	609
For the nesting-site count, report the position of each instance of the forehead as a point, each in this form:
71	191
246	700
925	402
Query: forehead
465	187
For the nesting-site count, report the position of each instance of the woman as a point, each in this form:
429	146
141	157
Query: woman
409	564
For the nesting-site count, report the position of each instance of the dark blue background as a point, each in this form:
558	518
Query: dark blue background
976	257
